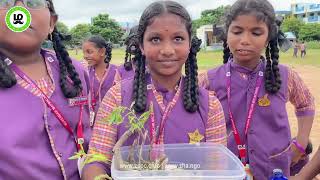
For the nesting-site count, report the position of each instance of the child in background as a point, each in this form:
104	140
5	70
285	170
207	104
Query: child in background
102	74
303	50
295	49
257	121
44	115
179	105
132	43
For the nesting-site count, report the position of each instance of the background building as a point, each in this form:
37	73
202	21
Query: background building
308	12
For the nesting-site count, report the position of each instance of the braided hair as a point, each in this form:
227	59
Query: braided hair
8	80
100	42
190	86
191	89
264	12
132	43
226	52
7	77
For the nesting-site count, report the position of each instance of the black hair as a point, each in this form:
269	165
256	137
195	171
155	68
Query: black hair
8	80
7	77
263	11
100	42
309	148
190	86
132	48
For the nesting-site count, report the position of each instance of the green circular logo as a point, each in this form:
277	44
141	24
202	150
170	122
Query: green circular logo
18	19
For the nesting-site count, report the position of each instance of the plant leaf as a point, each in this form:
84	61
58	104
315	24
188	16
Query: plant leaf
102	177
144	117
96	157
78	155
115	118
75	156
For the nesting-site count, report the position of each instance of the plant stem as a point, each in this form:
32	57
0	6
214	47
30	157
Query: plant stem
117	146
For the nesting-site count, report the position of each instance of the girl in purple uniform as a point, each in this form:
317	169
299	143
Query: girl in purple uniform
254	90
184	112
44	115
102	74
132	43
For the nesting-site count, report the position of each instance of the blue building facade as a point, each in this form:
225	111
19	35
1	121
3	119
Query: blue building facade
308	12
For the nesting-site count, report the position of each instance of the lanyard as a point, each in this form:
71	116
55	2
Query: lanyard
241	145
79	140
165	110
93	94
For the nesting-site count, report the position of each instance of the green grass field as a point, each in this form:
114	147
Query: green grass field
210	59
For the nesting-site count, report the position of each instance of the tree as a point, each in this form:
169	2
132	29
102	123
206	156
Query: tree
310	32
62	28
195	25
107	28
211	16
79	33
292	24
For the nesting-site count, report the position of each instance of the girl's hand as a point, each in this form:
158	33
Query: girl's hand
298	177
297	155
295	178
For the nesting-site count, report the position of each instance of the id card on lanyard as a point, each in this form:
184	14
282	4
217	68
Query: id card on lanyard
241	145
79	139
93	94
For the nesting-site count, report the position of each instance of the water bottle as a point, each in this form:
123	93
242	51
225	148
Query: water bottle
278	175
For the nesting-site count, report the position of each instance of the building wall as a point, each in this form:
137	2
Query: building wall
201	35
309	13
209	42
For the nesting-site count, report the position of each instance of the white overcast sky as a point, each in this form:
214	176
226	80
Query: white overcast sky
72	12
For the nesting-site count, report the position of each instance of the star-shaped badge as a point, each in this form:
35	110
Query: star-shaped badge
195	137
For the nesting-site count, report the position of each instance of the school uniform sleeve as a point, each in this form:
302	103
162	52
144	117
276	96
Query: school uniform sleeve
216	131
299	95
203	80
104	136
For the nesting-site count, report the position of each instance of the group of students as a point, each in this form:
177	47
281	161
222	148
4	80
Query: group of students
52	106
299	46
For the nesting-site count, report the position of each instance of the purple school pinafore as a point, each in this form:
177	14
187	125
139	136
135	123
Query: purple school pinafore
100	90
35	147
124	74
269	132
179	119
